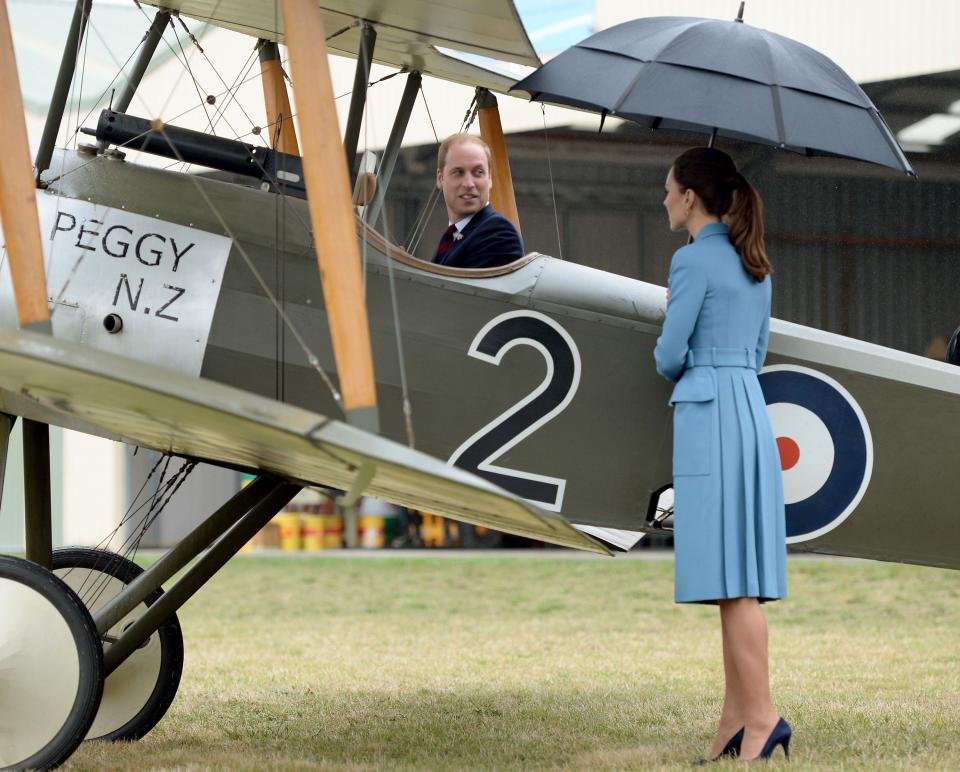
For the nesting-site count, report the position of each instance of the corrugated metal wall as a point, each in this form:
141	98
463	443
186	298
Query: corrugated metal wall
857	250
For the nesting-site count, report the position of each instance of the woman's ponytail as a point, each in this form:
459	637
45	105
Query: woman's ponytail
724	192
746	228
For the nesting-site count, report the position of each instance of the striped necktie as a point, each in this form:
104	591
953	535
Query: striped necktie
446	241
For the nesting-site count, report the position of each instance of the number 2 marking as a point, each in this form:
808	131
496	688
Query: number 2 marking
477	454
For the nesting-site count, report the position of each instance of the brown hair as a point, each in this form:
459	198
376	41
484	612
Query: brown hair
456	139
713	176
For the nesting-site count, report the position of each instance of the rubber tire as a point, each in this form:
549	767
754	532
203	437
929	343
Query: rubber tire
90	686
170	636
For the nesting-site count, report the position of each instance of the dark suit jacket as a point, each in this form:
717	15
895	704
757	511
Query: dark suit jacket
488	240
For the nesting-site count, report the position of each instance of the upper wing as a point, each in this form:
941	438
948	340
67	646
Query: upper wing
409	32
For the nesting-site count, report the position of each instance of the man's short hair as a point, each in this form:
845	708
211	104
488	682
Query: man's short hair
456	139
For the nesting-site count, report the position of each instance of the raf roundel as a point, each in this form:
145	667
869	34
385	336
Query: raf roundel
826	450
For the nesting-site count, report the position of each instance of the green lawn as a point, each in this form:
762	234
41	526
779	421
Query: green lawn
521	663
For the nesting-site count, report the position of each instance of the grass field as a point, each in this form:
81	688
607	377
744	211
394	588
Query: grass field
525	663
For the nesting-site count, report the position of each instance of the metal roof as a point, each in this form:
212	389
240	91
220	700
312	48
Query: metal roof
923	110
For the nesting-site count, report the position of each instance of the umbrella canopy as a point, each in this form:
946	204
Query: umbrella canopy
703	74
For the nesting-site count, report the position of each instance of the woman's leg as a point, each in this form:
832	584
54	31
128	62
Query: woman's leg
746	639
731	717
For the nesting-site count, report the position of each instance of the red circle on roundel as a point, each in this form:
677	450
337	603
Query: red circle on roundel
789	453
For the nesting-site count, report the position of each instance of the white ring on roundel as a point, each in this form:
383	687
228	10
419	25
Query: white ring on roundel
39	671
868	439
805	428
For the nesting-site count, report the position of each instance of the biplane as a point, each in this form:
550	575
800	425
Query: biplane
149	312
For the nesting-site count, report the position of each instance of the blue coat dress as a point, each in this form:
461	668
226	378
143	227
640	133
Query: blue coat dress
729	526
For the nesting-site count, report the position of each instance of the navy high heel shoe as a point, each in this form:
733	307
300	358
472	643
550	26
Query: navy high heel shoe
780	735
731	749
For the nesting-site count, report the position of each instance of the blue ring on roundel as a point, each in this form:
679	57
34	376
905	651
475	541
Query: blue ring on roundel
850	447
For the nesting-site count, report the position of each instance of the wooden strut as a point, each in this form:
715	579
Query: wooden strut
18	194
282	134
502	197
331	212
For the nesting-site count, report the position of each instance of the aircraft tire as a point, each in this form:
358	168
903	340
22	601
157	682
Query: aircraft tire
138	693
52	665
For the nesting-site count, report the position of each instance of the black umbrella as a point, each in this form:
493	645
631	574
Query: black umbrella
726	77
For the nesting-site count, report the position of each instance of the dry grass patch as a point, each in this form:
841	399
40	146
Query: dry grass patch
490	664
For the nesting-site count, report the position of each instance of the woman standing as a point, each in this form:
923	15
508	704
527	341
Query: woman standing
730	540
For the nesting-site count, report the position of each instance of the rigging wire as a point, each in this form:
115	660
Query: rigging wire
312	359
404	386
420	224
164	490
121	71
65	131
193	78
171	487
221	113
232	90
354	23
158	503
83	70
366	144
66	135
124	518
553	193
185	64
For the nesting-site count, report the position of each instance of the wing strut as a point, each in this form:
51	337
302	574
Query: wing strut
358	100
58	102
282	134
392	150
18	195
501	194
331	210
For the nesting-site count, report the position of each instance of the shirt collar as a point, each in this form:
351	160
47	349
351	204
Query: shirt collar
712	229
462	223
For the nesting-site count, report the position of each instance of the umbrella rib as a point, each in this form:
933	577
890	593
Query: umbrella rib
778	115
629	88
888	136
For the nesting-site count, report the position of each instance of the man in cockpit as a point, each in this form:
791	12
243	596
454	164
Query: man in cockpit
478	236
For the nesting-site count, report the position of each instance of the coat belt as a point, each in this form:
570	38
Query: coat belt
721	357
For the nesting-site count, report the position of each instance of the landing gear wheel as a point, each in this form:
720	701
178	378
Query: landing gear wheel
51	667
138	693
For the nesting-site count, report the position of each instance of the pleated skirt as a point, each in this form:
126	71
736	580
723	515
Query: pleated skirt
729	525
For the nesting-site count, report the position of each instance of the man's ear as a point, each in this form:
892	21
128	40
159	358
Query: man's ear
439	179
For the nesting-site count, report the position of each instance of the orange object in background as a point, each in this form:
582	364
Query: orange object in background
437	531
289	523
332	531
311	532
371	531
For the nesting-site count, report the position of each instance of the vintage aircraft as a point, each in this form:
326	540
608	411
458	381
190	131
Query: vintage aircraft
530	387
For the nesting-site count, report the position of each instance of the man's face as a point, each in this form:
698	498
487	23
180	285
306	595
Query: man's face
465	180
